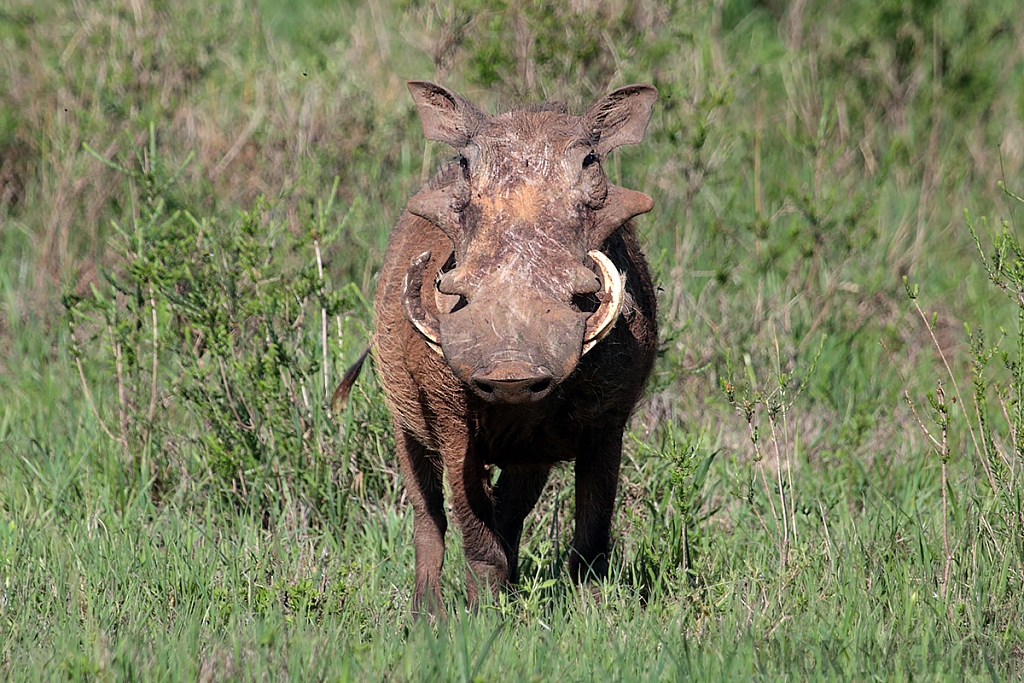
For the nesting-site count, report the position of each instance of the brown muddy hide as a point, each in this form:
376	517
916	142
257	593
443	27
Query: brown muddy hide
526	206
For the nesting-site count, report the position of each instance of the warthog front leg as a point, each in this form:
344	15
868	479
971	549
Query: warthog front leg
423	482
597	479
473	505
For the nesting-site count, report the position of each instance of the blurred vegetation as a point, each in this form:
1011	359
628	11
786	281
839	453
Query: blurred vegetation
824	481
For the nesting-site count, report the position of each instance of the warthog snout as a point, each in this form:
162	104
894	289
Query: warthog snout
512	353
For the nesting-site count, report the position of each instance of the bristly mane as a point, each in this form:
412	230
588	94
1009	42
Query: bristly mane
555	106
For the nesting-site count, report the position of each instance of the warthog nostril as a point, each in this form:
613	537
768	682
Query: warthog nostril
542	385
484	387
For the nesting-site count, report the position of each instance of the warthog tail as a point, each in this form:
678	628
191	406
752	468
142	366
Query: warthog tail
345	386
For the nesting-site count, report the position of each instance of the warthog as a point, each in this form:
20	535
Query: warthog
515	327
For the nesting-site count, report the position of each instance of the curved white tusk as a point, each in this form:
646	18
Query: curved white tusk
428	337
413	305
613	286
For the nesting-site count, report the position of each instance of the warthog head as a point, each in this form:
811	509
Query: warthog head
527	207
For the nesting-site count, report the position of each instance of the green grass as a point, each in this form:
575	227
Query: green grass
191	508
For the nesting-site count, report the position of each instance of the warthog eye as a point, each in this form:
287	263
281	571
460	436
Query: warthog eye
585	303
590	160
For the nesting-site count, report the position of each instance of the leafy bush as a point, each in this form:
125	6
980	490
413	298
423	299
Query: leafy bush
222	340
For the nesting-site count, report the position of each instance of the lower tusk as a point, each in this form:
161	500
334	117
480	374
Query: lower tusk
429	338
412	302
613	287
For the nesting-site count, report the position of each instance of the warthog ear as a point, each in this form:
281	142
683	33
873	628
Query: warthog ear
446	117
620	205
620	117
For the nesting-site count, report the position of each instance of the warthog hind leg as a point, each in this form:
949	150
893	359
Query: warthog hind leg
515	494
597	478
